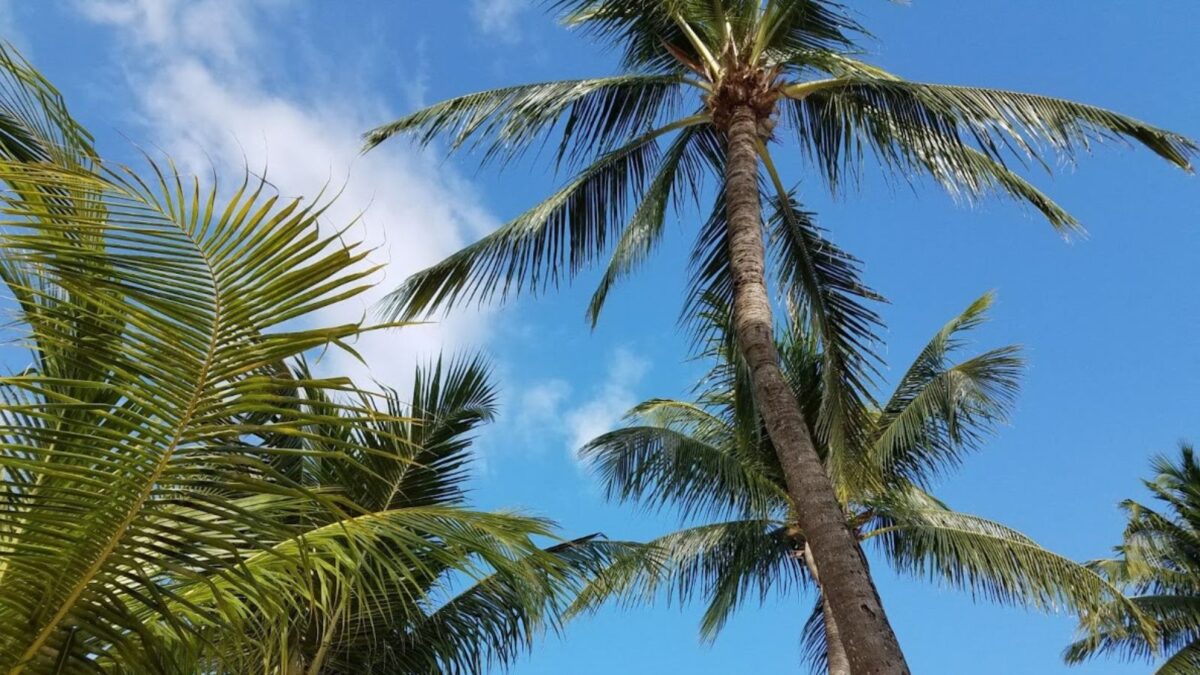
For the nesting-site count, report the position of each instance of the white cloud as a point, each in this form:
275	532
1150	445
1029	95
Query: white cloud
541	405
602	413
499	18
550	412
205	95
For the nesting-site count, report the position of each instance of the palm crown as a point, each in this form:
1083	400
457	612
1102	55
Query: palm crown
1158	563
710	459
644	140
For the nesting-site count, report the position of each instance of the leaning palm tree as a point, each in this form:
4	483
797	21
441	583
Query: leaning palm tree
711	460
708	89
1159	563
177	493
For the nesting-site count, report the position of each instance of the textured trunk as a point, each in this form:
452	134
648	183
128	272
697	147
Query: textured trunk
870	644
835	652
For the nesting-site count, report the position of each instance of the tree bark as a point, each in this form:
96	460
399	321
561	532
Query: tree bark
871	646
835	651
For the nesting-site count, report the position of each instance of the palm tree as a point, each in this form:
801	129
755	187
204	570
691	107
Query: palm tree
642	146
178	493
1159	563
412	459
711	461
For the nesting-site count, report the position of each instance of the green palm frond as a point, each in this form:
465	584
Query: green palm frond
343	586
961	136
823	286
922	537
697	32
659	467
680	173
941	409
547	244
493	621
725	564
1158	561
35	125
199	292
502	123
814	649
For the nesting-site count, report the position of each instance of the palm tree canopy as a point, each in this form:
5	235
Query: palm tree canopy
710	460
180	493
1158	562
647	139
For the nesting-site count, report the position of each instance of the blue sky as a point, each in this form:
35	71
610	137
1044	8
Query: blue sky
1109	322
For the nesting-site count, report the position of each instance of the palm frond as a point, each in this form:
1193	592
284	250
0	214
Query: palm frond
680	173
346	586
35	125
940	409
702	474
502	123
199	292
814	648
493	621
922	537
822	284
961	136
1159	560
544	246
726	564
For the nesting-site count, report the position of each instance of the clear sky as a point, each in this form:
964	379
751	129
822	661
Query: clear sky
1110	322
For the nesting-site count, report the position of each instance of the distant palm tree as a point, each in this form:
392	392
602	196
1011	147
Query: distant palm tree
642	145
711	459
1159	563
178	494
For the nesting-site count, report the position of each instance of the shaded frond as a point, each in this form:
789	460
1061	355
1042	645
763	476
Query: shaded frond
725	564
502	123
941	409
660	467
545	245
822	284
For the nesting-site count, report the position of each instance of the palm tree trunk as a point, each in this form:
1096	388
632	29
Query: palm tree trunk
871	645
835	651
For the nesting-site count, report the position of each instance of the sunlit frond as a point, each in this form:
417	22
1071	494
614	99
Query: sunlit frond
922	537
1158	561
202	293
35	125
960	135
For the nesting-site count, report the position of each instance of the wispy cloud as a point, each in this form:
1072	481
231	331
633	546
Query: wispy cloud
202	81
550	411
499	18
604	410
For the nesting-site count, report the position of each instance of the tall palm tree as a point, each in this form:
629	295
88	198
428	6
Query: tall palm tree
177	493
708	89
711	460
1159	563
